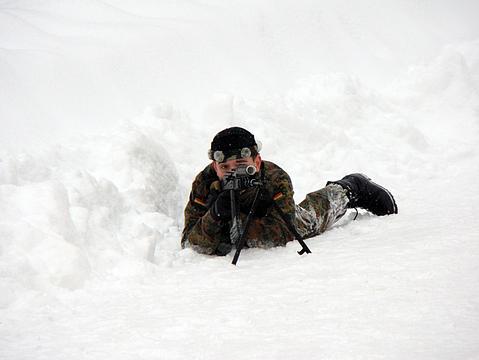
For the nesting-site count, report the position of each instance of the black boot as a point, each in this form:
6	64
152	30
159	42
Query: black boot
363	193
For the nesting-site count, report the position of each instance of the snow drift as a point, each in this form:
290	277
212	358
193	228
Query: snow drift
70	210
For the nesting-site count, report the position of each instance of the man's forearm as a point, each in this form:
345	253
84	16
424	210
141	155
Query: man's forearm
205	234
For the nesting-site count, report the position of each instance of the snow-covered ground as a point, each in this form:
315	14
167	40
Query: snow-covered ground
90	261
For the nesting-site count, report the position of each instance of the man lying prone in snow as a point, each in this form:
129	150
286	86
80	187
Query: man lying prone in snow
275	218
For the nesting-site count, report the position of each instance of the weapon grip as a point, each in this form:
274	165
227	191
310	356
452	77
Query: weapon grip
241	241
235	220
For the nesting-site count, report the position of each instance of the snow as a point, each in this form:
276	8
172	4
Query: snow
107	111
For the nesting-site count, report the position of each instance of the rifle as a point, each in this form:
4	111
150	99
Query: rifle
239	179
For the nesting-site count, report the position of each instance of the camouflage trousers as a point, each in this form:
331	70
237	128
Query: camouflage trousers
320	210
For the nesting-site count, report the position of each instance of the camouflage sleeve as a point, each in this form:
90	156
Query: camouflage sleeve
271	230
201	231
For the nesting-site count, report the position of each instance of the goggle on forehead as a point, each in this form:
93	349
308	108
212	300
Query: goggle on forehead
222	156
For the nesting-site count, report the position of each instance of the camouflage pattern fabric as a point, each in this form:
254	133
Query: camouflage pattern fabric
320	210
267	229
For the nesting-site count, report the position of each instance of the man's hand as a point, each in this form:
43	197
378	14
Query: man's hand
221	208
223	249
263	202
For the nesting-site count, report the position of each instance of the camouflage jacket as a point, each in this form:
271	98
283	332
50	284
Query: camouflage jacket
204	234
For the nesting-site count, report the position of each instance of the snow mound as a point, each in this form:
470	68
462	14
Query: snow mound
78	209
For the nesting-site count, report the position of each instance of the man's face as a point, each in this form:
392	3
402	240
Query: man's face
223	169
